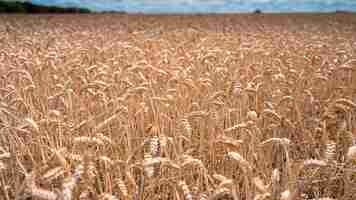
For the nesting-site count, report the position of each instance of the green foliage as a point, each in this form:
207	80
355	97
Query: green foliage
27	7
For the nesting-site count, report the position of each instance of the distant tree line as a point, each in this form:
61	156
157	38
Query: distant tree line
27	7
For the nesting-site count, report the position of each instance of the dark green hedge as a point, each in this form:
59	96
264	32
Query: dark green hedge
27	7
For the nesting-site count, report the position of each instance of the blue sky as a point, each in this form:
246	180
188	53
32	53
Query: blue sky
207	5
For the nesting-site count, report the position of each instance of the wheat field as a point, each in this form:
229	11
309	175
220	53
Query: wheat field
181	107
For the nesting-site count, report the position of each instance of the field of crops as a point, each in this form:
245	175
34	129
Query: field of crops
194	107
